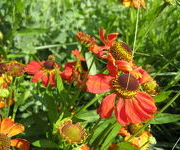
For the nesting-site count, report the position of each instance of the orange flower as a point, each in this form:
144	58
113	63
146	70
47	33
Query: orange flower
45	71
76	69
9	129
135	3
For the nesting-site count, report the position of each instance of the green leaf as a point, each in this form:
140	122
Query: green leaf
125	146
91	65
89	116
60	85
111	136
163	118
45	144
162	96
100	129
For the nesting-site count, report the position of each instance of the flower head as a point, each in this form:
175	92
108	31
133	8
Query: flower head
15	68
135	3
9	129
72	133
127	101
45	71
85	38
76	69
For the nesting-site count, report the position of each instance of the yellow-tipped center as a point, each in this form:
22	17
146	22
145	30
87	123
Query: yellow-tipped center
121	51
72	133
126	85
5	143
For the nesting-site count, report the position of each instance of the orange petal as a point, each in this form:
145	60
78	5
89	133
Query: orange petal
98	83
22	144
107	105
67	74
124	65
33	67
15	129
6	125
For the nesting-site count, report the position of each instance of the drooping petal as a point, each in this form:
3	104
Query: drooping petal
124	65
77	54
15	129
130	111
146	102
107	105
145	76
120	112
6	124
52	80
45	79
101	35
67	74
141	112
33	67
98	83
22	144
112	36
111	66
37	76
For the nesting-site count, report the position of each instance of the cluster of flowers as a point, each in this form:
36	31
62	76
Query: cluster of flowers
131	87
8	128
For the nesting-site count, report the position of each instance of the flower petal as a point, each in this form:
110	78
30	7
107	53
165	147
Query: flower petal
6	125
124	65
98	83
107	105
15	129
45	79
22	144
146	102
34	67
130	111
38	75
52	79
77	54
68	71
120	112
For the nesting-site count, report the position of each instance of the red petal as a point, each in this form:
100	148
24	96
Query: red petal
68	71
77	54
107	105
45	79
130	111
22	144
98	83
120	112
101	35
111	66
145	76
111	38
124	65
141	112
146	102
52	79
34	67
37	76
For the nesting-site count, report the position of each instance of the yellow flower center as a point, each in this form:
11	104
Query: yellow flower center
5	143
126	85
121	51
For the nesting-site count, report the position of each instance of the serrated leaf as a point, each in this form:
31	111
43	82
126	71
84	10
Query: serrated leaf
162	96
163	118
45	144
111	136
89	116
125	146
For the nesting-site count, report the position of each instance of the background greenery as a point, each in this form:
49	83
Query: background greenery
31	30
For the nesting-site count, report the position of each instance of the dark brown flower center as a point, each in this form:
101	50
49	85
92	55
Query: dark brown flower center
5	143
49	64
128	82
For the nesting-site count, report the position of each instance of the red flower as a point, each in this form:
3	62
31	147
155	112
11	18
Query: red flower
76	69
108	41
45	71
127	101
